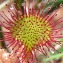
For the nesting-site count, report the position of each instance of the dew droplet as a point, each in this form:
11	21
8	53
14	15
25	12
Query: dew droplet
49	8
51	51
18	53
12	7
61	5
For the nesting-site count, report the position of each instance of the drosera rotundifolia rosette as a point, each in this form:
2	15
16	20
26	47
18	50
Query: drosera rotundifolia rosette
31	31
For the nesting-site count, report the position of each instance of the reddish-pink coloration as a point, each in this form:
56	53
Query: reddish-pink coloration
17	45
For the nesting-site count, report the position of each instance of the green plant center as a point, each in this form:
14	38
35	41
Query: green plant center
31	30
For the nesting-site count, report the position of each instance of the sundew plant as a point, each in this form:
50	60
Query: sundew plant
31	30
